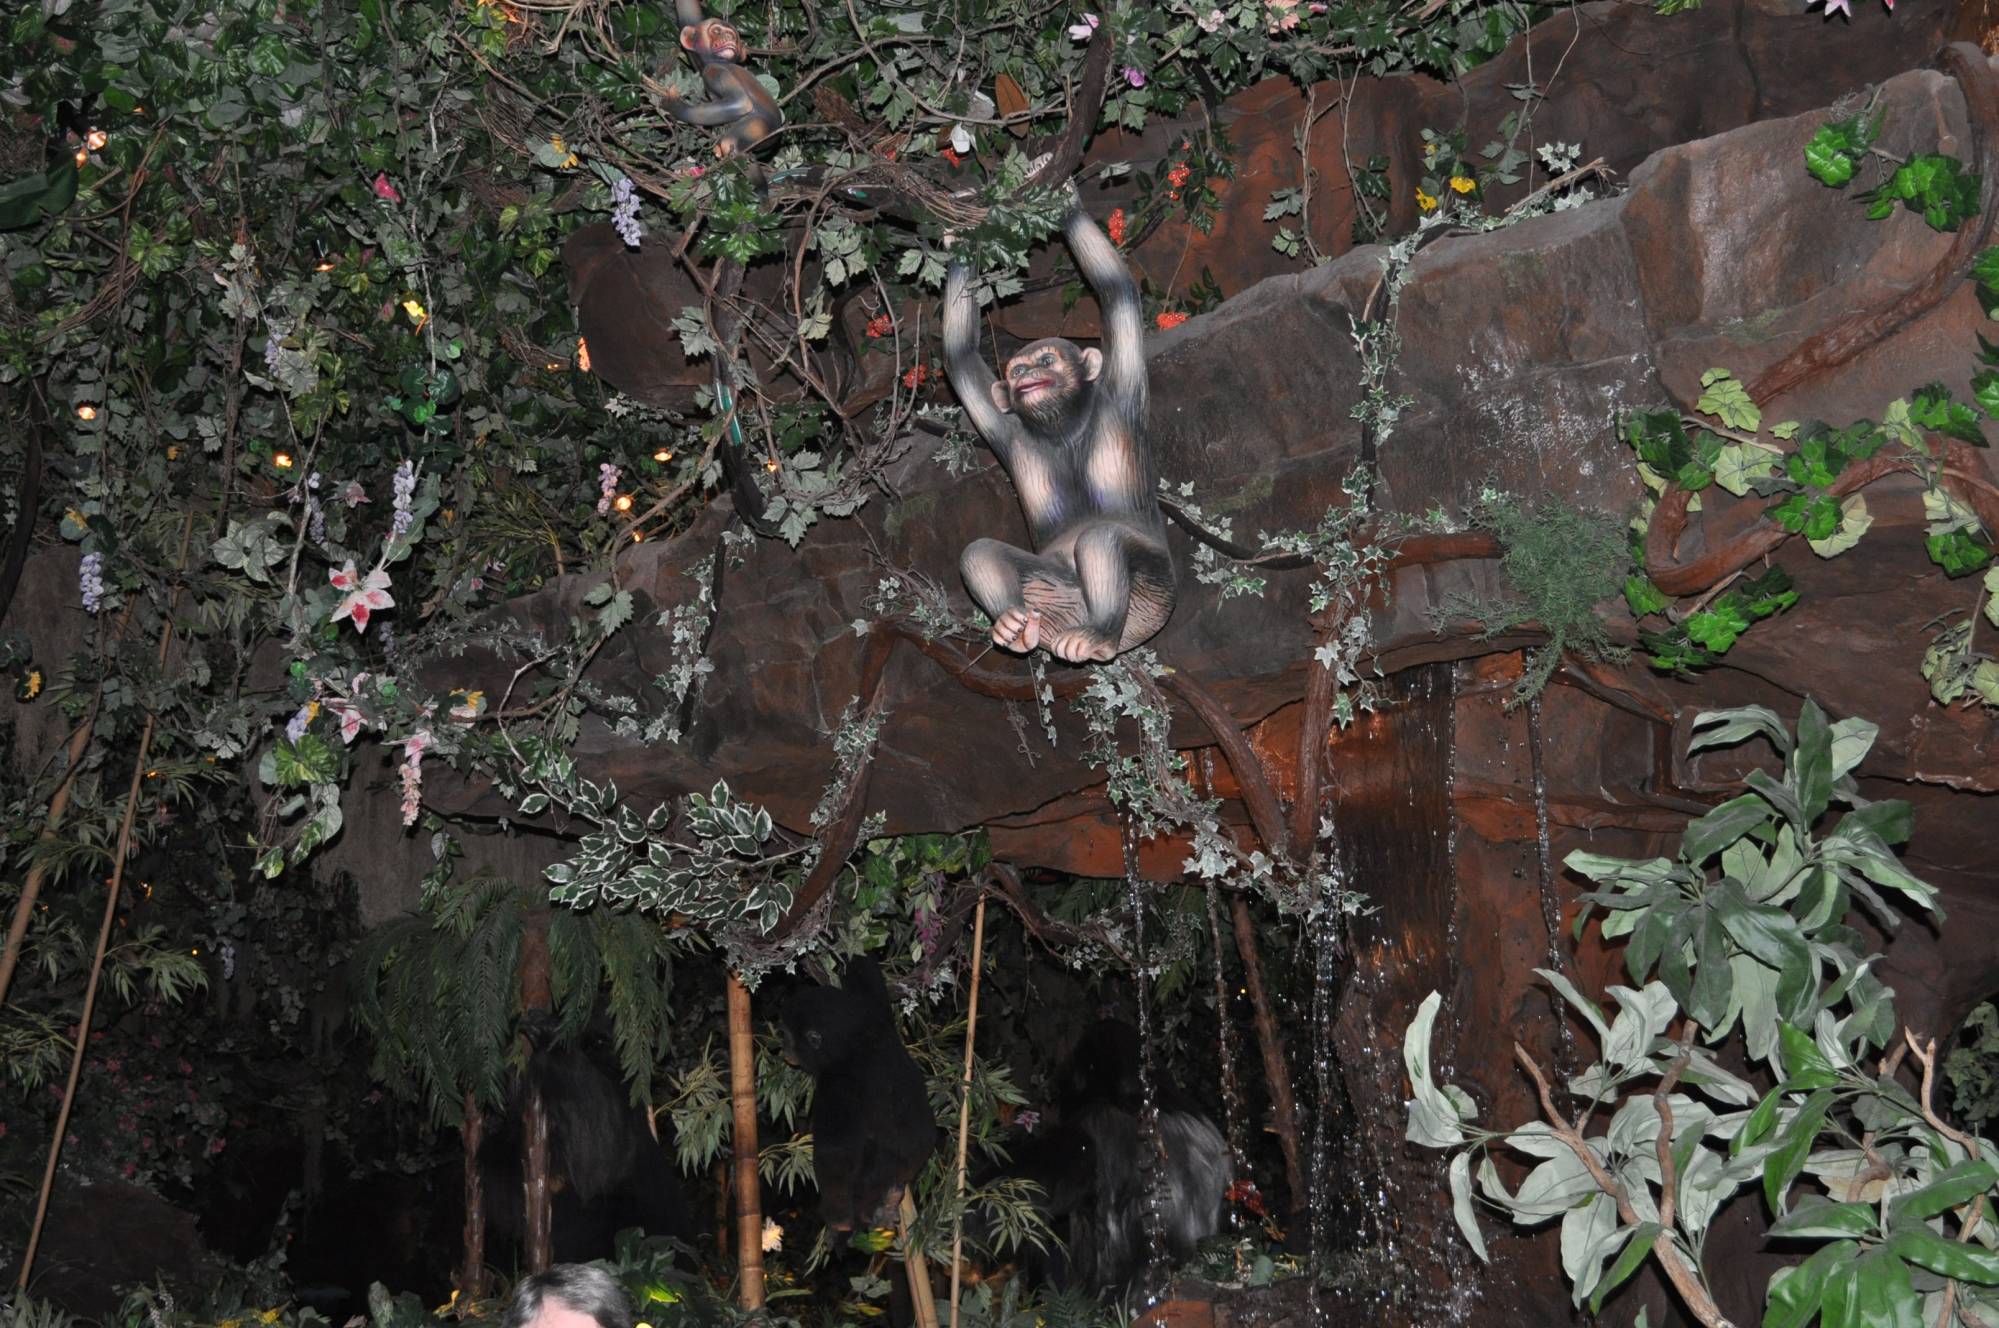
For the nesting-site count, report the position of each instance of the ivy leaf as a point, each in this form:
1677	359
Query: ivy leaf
26	200
1985	391
1933	408
1958	552
1642	596
1728	401
1717	626
1834	153
1854	519
1740	465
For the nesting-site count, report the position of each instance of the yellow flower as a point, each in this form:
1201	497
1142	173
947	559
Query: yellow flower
562	149
414	310
1463	184
271	1315
230	1323
1425	202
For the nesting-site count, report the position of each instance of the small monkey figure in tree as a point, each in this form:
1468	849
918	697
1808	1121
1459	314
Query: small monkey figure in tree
735	98
1069	426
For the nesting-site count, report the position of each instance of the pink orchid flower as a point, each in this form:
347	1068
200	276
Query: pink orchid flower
363	597
383	189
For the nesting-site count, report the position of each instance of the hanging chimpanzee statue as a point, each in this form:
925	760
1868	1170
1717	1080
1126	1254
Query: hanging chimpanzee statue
1069	426
737	104
872	1127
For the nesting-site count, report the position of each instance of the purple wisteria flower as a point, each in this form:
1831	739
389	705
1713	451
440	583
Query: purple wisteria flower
90	581
625	212
405	491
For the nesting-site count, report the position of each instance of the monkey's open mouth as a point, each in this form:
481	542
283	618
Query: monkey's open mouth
728	53
1026	385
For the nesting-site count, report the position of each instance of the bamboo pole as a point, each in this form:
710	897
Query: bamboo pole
915	1266
749	1197
90	990
123	851
538	1236
31	888
965	1107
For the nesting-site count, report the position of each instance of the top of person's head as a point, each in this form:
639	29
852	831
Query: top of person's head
569	1295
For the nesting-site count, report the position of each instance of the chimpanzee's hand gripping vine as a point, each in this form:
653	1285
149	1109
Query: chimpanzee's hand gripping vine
1069	426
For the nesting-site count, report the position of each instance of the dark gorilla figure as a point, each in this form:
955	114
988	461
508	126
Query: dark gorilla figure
606	1171
1095	1168
872	1128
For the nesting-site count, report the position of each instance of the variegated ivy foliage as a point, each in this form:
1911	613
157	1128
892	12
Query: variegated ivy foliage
1151	787
1742	938
708	859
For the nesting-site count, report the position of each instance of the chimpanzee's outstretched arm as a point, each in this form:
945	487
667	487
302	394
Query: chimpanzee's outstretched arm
1120	310
970	377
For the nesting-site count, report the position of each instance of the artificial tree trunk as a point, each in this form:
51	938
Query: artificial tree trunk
472	1272
539	1237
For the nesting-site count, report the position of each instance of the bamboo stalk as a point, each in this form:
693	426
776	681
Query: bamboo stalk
965	1107
90	992
31	888
915	1266
538	1238
123	851
743	1097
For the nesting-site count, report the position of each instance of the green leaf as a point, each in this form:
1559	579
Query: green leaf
1854	519
1958	552
1787	1160
1933	408
1926	1249
1642	596
1872	1291
1795	1293
26	200
1723	826
1758	1123
1724	728
1959	1185
1627	1263
1817	1216
1728	400
1811	762
1740	465
1805	1066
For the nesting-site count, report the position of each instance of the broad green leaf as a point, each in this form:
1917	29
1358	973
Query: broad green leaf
1795	1293
1805	1066
1723	728
1959	1185
1926	1249
1788	1158
1819	1217
1627	1263
1852	739
1434	1117
1872	1291
1811	761
1740	465
1723	826
1758	1124
1727	399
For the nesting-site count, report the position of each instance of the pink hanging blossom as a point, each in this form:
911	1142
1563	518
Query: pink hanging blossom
413	747
1083	31
362	597
384	190
1134	76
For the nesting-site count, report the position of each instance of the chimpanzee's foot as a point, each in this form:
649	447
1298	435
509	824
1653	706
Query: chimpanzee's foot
1017	629
1080	645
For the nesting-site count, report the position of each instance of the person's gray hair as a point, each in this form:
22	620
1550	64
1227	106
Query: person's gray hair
584	1288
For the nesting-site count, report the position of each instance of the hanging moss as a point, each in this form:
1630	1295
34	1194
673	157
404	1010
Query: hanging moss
1560	563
